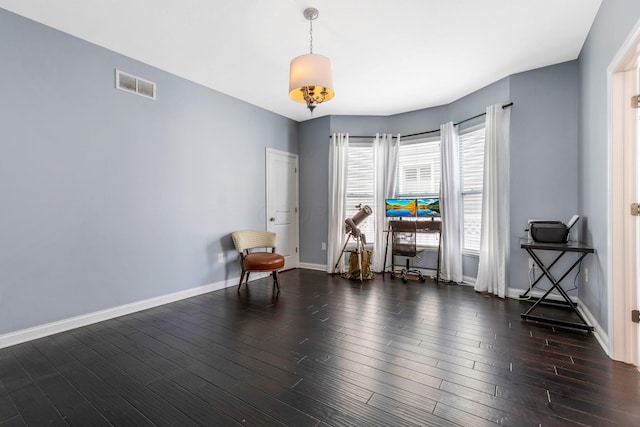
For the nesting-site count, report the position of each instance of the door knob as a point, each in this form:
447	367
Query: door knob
272	219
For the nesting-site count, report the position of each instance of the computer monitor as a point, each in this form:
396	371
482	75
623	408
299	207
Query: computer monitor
400	208
428	207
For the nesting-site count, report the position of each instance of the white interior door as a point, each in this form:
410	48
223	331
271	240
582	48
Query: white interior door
631	197
635	227
282	203
624	185
633	179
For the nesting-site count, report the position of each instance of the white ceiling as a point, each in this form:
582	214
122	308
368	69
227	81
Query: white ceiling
388	56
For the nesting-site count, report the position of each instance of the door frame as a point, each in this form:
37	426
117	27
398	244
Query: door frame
624	336
296	216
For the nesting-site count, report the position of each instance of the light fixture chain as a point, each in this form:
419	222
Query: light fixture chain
310	35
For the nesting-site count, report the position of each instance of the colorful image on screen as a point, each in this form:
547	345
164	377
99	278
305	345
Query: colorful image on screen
428	207
400	208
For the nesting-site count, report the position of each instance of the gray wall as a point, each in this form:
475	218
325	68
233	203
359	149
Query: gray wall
110	198
475	103
314	188
544	156
615	20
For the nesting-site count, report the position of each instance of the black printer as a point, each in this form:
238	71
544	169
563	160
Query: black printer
551	231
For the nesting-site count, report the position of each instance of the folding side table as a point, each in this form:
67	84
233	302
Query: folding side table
562	248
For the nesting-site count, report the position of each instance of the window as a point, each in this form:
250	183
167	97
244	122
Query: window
419	168
360	182
419	175
471	179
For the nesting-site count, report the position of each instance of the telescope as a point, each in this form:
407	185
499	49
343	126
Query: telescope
351	227
351	224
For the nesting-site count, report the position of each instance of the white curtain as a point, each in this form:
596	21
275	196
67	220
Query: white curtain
338	155
450	204
386	158
494	231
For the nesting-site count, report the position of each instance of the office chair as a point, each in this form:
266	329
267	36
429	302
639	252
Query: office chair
403	243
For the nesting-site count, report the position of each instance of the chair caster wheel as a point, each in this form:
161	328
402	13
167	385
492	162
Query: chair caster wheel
404	280
393	275
422	279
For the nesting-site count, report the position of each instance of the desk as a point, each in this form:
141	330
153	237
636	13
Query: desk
563	248
417	227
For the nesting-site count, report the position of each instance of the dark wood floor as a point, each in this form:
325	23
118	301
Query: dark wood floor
324	352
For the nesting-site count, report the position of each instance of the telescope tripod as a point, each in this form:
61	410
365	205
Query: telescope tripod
359	251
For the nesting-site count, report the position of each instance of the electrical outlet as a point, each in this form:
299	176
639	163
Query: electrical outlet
220	257
324	246
586	275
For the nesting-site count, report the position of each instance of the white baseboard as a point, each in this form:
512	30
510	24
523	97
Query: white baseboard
469	281
515	294
24	335
309	266
601	336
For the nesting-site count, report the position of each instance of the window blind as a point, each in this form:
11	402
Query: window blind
419	169
471	179
419	175
360	182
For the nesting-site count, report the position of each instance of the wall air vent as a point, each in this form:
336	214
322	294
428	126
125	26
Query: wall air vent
136	85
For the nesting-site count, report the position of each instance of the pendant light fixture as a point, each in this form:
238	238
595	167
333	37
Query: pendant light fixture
310	76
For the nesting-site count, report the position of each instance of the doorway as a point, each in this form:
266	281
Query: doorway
282	203
624	159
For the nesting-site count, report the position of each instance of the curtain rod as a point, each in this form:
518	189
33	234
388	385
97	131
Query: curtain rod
435	130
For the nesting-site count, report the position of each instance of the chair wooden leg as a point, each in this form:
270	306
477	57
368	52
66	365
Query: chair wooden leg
241	278
275	279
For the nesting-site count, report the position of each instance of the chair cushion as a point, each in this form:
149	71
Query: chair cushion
262	261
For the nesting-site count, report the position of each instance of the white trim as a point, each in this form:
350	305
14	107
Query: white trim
471	128
269	152
515	294
257	275
419	141
599	333
470	253
621	282
309	266
429	272
468	280
24	335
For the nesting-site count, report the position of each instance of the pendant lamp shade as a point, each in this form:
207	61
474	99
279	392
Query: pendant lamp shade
311	79
310	75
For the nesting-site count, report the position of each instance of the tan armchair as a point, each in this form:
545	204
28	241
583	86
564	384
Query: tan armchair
246	242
